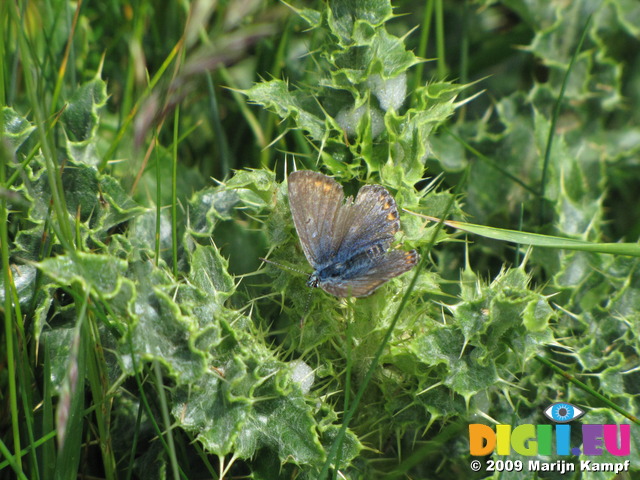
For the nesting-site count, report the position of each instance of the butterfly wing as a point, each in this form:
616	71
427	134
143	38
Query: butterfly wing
333	231
386	267
371	220
314	200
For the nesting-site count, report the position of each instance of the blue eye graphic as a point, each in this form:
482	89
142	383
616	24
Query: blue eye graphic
563	412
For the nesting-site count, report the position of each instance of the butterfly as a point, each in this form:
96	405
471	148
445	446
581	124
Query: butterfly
346	241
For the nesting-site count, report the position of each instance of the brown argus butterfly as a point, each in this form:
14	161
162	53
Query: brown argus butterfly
346	241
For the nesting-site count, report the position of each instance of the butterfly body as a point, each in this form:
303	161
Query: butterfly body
349	266
346	241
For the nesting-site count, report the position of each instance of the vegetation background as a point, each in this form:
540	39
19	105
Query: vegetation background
145	146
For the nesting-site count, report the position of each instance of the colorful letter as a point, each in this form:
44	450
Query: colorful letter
523	439
544	439
592	436
611	439
563	439
482	440
503	432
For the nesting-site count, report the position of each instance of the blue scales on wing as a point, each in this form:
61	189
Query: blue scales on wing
346	241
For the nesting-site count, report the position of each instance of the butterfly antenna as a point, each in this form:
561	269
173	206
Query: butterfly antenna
284	267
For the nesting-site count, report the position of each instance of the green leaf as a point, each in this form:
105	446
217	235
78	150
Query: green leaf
157	328
81	113
81	119
346	17
297	105
209	274
469	375
119	206
547	241
16	128
253	405
100	274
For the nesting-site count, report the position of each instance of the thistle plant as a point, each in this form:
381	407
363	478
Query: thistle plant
141	185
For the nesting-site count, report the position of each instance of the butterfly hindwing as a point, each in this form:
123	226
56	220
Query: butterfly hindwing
388	266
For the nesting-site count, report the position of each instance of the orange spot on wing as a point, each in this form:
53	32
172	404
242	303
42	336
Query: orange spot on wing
410	257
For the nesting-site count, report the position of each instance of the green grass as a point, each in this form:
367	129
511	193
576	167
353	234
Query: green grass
143	176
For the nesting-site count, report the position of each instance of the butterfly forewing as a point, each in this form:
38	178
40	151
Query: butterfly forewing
314	200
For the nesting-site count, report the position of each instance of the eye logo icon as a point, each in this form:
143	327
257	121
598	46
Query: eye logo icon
563	412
